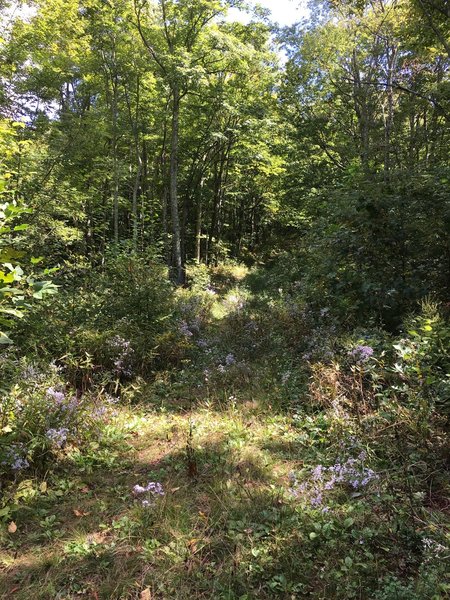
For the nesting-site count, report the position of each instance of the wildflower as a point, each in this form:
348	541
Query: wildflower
230	360
155	488
59	397
19	464
316	500
15	458
122	363
71	405
350	472
361	353
57	437
432	550
184	329
152	490
317	472
31	373
100	412
111	399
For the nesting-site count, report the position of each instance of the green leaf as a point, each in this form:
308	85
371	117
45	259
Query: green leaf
44	287
12	311
6	278
4	339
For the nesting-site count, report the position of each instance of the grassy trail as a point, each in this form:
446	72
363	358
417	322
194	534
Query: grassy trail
267	493
221	470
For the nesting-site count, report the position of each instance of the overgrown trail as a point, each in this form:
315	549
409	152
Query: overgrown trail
87	534
239	475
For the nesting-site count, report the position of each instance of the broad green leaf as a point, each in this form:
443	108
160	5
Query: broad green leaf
12	311
4	339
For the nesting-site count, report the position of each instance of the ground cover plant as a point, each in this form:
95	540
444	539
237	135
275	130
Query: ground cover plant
224	301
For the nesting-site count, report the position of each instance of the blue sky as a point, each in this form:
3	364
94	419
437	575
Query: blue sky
285	12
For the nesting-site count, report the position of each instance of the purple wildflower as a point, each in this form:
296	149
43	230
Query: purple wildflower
351	473
361	353
19	464
317	472
151	491
124	354
100	412
59	397
316	500
230	360
184	329
15	458
57	437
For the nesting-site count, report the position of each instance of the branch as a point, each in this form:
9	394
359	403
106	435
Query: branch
149	47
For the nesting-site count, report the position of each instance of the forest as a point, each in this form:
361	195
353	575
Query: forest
224	300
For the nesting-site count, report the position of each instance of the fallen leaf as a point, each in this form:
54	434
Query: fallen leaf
85	490
146	594
43	487
98	538
192	544
12	527
80	513
173	490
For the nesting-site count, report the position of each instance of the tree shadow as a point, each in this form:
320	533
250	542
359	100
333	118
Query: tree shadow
97	539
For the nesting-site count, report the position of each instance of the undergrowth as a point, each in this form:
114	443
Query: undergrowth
239	444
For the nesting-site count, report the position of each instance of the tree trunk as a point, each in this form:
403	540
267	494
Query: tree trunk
115	164
361	110
198	225
134	208
391	54
177	262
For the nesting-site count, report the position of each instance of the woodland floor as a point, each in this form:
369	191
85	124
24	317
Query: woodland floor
227	526
85	536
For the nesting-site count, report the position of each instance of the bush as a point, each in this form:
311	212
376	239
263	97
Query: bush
41	418
107	326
